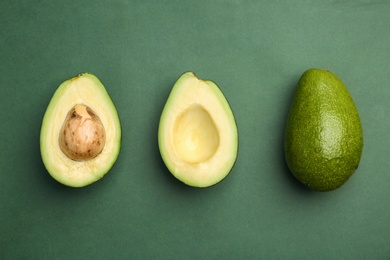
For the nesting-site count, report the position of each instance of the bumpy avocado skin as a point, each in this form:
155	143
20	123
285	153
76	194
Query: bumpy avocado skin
323	137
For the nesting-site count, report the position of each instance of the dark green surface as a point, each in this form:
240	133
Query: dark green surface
256	53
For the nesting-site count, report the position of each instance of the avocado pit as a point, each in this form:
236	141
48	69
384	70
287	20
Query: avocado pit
82	136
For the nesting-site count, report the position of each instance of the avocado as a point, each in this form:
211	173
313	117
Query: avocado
197	135
323	137
80	136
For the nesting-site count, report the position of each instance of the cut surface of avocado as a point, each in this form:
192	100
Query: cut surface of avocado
81	134
197	135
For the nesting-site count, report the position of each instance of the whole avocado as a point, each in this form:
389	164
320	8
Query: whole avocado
324	137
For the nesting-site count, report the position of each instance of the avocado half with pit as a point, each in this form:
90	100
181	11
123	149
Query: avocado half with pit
81	134
197	136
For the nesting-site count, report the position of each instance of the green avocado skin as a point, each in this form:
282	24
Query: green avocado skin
324	137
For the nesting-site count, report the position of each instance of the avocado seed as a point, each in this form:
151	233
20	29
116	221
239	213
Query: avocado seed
82	135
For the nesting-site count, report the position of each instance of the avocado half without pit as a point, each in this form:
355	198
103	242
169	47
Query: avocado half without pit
197	134
81	133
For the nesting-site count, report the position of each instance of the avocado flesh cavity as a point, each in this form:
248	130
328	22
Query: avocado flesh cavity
81	133
324	137
198	136
195	136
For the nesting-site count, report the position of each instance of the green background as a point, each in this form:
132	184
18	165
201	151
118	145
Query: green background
255	51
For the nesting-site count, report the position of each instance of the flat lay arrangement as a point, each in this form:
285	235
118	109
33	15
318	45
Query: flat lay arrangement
194	129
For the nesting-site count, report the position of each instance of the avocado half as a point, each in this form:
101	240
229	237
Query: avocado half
81	133
197	136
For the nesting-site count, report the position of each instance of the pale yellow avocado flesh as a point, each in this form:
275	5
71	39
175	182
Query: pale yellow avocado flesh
83	89
195	135
198	136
